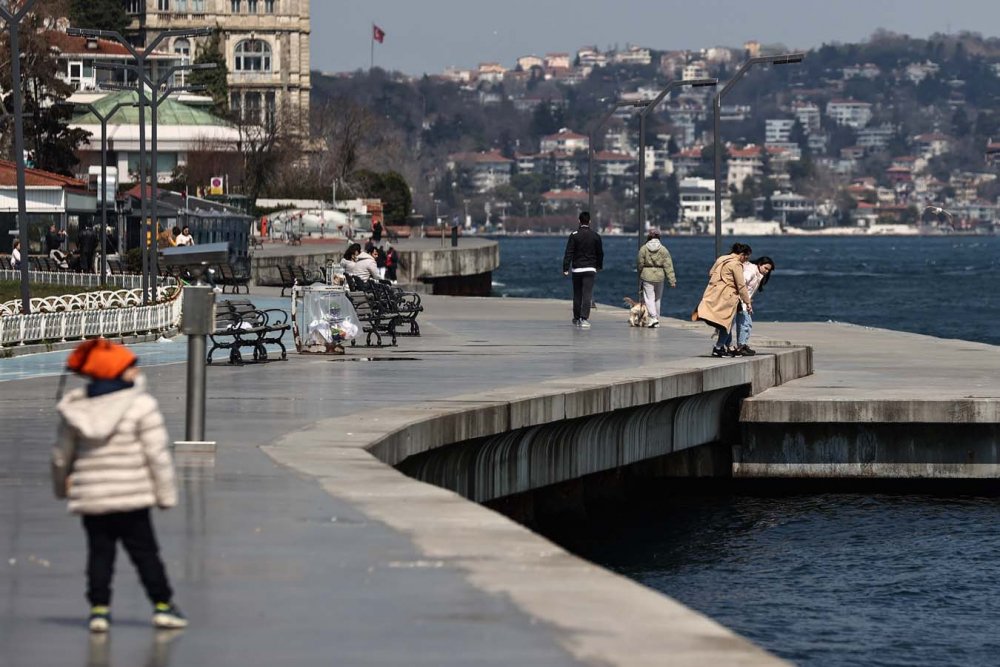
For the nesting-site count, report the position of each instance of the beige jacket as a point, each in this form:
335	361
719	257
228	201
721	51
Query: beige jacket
726	289
114	451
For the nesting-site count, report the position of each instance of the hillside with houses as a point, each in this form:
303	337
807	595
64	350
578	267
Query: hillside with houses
857	135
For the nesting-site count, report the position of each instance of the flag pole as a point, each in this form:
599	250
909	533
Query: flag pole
371	64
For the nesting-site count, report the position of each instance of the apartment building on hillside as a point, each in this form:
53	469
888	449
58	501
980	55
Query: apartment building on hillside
265	42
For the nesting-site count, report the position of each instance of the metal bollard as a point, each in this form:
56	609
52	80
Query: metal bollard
454	236
198	321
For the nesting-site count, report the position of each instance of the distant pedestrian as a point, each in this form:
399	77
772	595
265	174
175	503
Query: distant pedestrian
15	255
112	461
54	239
756	274
174	235
656	266
377	230
391	264
584	258
379	256
184	238
725	291
87	242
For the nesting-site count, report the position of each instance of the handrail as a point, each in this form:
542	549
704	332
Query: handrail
65	323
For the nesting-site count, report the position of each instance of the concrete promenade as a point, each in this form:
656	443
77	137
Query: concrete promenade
332	557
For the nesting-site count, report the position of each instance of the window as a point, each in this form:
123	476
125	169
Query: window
269	106
182	47
253	55
235	6
269	6
134	6
181	6
235	104
252	6
251	110
163	5
197	6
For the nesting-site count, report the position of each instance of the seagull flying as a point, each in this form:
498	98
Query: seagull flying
938	211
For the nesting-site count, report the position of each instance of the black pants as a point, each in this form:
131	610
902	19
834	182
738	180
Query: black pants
583	294
135	530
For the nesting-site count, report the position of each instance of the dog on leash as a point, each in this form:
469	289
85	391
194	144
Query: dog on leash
638	316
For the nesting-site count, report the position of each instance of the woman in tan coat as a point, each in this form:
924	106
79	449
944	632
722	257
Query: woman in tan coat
721	301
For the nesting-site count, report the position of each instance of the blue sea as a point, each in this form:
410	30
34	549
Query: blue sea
945	286
819	579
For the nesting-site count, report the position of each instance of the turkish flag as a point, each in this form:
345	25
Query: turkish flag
378	34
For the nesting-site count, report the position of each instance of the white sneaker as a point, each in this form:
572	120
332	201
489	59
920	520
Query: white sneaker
217	290
653	324
584	324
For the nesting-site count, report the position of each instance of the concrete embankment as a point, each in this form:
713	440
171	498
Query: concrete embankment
426	265
882	404
591	422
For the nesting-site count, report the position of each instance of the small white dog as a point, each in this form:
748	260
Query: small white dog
638	316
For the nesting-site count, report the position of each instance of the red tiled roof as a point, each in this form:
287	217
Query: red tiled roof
899	170
690	152
565	194
931	137
69	44
36	178
843	101
565	134
608	155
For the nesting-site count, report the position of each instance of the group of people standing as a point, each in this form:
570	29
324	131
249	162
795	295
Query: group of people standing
726	305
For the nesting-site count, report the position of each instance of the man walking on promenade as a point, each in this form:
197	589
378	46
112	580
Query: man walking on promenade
584	257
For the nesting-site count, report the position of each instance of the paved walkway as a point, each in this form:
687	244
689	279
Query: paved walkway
270	568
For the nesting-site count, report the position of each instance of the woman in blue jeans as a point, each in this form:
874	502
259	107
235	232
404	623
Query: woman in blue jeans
756	273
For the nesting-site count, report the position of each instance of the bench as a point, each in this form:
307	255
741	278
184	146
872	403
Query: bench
376	311
293	239
115	267
234	277
5	264
239	324
256	242
287	278
303	276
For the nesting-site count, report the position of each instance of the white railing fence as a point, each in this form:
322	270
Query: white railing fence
97	314
125	281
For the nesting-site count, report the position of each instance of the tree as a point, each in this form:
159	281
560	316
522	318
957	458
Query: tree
960	124
673	203
391	188
264	145
50	143
99	14
216	81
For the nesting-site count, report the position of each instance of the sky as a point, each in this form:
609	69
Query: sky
429	35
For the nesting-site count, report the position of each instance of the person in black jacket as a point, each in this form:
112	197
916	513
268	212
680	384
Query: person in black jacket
584	258
54	239
87	243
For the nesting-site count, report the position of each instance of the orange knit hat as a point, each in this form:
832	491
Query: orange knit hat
100	359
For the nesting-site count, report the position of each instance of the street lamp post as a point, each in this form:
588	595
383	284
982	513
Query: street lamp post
13	20
648	109
148	263
593	134
104	174
783	59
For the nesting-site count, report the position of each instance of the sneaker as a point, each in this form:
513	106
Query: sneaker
167	615
576	322
100	619
654	324
217	290
746	351
718	351
584	324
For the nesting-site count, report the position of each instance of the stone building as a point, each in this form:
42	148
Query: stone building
265	42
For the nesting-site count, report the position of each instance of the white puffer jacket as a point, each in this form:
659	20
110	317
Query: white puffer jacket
114	450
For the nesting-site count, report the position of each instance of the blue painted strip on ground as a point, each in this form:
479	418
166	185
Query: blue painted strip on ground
160	353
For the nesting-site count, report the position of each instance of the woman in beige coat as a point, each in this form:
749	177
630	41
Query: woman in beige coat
112	462
721	301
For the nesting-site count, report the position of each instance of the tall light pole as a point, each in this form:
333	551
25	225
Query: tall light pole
13	20
104	173
142	79
783	59
593	135
677	83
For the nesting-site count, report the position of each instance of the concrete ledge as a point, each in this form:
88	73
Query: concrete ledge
23	350
600	617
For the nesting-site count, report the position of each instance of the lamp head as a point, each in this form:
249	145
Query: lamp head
786	59
701	83
202	66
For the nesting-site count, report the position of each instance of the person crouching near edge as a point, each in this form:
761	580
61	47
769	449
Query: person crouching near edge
584	257
756	273
725	291
111	460
655	267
